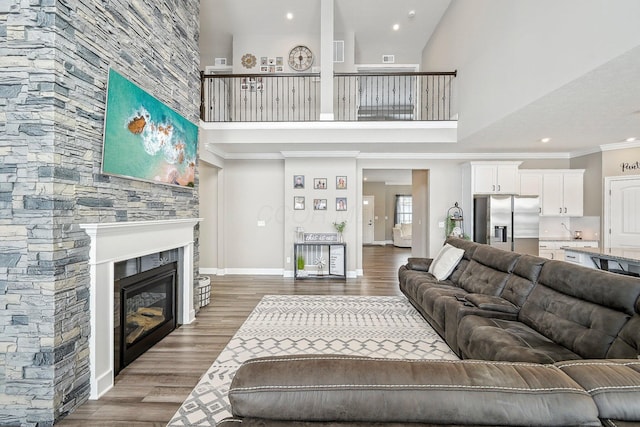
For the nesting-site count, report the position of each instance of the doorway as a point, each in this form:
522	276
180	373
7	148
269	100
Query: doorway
621	207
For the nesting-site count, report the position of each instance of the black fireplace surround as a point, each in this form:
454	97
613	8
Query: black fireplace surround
144	312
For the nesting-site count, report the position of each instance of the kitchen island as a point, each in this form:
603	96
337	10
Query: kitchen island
617	260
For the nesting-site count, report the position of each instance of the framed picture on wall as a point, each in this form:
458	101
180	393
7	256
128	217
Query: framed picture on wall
298	181
341	182
298	203
320	204
320	183
341	203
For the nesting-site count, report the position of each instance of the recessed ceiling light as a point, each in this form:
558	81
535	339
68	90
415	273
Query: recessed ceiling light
412	13
364	179
289	16
545	140
630	139
396	27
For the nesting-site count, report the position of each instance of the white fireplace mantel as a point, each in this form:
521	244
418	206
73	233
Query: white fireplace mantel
114	242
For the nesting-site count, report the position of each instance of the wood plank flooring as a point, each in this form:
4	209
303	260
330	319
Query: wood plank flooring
150	390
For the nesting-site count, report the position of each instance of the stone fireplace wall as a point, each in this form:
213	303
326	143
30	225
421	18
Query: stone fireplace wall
53	76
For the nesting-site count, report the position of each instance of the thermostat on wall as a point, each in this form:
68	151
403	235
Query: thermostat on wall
220	61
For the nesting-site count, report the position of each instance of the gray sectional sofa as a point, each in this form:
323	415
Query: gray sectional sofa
543	343
499	305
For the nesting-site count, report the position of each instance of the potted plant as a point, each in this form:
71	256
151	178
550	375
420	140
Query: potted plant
300	263
340	228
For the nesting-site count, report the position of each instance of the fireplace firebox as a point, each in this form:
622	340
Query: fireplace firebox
144	312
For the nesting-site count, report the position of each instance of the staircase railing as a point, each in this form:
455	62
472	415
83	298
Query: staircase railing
357	97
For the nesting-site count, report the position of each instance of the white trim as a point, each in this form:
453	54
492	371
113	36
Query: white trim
254	271
326	117
359	272
305	154
209	271
619	146
332	125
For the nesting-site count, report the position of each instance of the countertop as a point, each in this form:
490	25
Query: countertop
560	239
620	254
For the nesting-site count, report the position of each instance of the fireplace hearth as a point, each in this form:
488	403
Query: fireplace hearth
144	312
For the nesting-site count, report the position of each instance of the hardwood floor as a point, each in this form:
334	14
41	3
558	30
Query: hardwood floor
151	389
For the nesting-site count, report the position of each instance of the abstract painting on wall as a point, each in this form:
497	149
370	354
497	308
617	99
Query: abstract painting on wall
145	139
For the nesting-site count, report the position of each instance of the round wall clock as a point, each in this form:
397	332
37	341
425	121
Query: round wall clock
300	58
248	60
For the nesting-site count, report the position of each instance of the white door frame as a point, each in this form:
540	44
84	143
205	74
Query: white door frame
607	204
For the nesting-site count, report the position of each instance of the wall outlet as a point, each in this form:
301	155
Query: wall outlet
262	224
288	260
441	224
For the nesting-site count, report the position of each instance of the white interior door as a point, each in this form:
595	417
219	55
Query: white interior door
368	225
622	203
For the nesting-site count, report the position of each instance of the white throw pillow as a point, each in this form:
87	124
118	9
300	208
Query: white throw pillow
447	259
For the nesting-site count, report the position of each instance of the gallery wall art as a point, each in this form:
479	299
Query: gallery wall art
145	139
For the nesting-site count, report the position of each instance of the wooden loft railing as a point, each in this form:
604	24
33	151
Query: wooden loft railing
357	97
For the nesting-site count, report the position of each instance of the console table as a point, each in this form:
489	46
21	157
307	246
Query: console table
320	260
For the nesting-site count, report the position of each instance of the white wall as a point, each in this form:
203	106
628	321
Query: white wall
208	187
510	53
321	221
253	191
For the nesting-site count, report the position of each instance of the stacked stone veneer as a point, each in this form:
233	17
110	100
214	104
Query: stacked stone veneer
54	58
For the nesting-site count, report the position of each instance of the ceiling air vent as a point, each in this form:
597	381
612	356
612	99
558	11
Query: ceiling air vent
338	51
388	59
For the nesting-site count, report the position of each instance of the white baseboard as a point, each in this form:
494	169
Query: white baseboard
264	272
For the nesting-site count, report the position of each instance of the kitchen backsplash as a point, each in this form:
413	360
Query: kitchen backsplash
552	228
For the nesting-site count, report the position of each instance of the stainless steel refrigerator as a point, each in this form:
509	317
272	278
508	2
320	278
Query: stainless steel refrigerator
507	222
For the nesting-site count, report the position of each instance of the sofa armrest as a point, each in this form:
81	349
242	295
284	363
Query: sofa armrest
419	264
493	303
360	389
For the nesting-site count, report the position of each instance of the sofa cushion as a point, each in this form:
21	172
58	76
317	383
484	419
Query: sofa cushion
488	270
523	278
613	384
496	339
356	389
405	230
446	260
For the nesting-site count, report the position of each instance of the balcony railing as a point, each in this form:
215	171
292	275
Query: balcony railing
357	97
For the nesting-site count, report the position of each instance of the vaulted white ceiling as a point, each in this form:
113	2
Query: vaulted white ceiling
594	105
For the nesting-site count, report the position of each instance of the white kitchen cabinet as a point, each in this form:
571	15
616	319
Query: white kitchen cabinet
562	193
530	182
555	249
550	250
495	177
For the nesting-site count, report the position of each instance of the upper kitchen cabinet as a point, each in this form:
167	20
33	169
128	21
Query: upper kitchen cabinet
494	177
562	192
530	182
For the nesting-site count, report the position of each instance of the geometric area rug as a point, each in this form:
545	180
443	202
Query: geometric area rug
372	326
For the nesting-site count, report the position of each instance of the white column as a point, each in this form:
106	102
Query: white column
326	58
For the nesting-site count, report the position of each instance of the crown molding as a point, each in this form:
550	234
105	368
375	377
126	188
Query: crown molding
619	146
315	154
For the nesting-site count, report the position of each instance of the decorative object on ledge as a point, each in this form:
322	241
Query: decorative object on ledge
455	221
145	139
248	60
320	237
340	226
